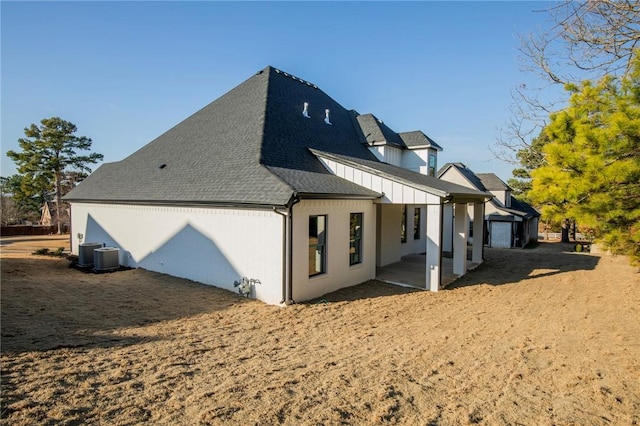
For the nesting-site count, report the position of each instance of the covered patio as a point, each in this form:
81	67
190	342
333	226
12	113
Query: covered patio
410	271
400	187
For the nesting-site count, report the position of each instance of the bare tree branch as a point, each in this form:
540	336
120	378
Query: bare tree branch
588	40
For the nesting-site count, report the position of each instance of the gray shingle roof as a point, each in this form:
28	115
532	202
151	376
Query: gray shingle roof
524	207
493	182
488	182
212	155
250	146
466	172
377	133
417	180
417	139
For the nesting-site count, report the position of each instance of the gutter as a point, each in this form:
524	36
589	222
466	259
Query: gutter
163	203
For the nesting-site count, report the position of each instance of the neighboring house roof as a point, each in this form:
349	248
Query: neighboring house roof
464	171
524	207
491	182
49	213
250	146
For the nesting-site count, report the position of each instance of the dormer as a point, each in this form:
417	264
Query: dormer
383	142
410	150
421	154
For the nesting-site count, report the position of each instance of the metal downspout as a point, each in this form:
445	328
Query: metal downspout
284	253
287	250
290	300
70	230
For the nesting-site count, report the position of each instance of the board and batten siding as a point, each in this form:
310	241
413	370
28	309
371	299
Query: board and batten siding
215	246
387	154
338	273
394	192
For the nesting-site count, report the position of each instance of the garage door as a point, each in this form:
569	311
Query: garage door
501	234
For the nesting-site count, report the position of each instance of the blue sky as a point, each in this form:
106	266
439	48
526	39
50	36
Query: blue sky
126	72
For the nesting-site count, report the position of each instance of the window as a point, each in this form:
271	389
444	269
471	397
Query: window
432	164
403	236
355	238
416	223
317	245
470	229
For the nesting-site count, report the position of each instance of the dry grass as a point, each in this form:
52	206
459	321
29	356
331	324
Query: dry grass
531	337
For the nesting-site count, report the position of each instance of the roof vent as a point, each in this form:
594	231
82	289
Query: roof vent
305	111
162	166
326	116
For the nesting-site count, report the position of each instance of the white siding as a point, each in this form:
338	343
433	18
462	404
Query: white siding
454	176
207	245
387	154
394	192
339	273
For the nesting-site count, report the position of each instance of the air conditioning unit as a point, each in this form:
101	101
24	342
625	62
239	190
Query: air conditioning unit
106	259
85	254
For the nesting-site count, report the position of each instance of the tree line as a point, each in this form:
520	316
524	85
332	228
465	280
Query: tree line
581	162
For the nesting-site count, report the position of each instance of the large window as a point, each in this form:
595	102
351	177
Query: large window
317	245
403	236
432	164
355	238
416	223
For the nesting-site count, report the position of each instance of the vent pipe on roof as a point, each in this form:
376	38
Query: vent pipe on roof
326	116
305	110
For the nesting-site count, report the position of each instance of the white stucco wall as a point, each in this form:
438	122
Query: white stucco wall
447	228
209	245
389	232
503	196
418	159
339	273
412	245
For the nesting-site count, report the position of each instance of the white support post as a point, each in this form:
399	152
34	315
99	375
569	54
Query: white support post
478	233
434	247
460	239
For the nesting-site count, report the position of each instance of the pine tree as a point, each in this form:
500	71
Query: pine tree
49	154
592	162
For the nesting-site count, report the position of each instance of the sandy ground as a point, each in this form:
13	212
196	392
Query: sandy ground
532	337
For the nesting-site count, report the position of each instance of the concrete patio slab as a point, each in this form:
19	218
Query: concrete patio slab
411	271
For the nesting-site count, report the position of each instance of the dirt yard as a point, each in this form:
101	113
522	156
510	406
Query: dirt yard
532	337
